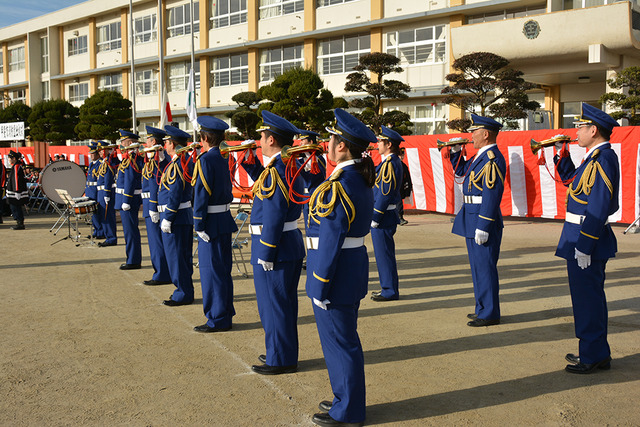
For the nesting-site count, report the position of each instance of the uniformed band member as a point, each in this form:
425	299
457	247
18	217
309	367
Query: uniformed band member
479	219
129	198
176	217
386	193
587	241
91	188
341	210
106	191
311	177
214	224
155	162
17	191
3	181
276	249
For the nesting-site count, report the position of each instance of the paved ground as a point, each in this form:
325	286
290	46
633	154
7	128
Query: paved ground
84	343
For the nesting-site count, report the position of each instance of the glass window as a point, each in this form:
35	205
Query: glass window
275	61
109	37
579	4
271	8
228	12
44	50
145	29
322	3
500	15
16	59
427	119
419	46
1	64
571	110
46	95
341	54
180	19
179	75
146	83
78	92
228	70
111	82
77	45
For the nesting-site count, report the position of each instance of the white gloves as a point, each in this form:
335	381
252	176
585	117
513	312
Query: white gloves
165	226
126	206
106	200
266	265
559	145
161	155
155	216
456	148
374	224
481	237
584	260
321	304
203	235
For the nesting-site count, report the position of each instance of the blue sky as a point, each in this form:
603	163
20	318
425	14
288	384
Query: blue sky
14	11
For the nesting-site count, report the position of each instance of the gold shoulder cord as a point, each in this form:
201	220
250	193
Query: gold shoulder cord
171	174
387	175
263	192
149	167
102	170
490	172
197	172
588	179
124	164
317	208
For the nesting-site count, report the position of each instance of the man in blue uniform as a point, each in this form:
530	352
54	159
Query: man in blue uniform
212	197
155	162
479	219
129	198
276	249
176	217
91	189
587	241
106	191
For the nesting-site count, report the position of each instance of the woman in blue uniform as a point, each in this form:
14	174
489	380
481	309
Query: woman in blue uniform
91	188
106	190
386	193
340	214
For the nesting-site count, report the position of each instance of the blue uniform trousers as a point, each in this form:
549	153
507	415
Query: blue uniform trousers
483	260
108	222
131	231
337	328
96	223
215	263
177	247
385	250
589	309
277	295
16	212
156	251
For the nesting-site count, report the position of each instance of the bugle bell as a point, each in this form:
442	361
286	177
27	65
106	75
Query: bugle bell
452	142
287	151
536	146
225	148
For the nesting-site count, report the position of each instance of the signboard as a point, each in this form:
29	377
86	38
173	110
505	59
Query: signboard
12	131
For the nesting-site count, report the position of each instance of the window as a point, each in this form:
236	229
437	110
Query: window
179	76
78	92
77	45
419	46
180	19
228	12
1	64
16	59
341	54
275	61
271	8
427	119
44	50
46	95
19	95
579	4
230	70
509	13
109	37
111	82
321	3
145	29
146	83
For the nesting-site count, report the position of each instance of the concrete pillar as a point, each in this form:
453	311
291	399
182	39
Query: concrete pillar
254	69
310	62
92	43
204	28
252	21
204	79
309	15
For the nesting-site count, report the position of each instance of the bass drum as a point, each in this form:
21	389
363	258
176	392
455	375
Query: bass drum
63	175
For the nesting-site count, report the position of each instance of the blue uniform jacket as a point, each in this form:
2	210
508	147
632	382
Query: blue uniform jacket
106	178
386	191
594	236
341	275
91	189
176	190
271	213
484	176
132	185
151	174
212	186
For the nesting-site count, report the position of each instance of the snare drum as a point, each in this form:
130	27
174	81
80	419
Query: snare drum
84	208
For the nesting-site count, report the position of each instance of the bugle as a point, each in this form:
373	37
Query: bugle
225	148
536	146
452	142
288	152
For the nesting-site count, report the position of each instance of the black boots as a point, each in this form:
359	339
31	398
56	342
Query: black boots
19	225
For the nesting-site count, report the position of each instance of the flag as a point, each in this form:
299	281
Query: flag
191	99
165	113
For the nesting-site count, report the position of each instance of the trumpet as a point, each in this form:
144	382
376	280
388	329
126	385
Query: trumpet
288	152
225	148
372	148
536	146
452	142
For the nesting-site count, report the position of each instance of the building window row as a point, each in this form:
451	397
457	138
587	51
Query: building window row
427	119
77	45
179	75
514	13
18	95
323	3
16	59
78	92
340	54
1	64
425	45
44	50
109	37
145	29
228	12
180	19
111	82
275	61
273	8
46	93
229	70
146	82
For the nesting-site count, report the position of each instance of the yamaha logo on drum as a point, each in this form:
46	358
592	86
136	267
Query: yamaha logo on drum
64	168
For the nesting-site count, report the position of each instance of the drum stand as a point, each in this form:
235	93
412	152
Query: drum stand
65	216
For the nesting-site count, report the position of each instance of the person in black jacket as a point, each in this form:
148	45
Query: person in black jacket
17	192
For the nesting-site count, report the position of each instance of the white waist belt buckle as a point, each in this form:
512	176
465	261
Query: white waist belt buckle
349	242
288	226
218	208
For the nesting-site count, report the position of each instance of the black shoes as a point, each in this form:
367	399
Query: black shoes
206	329
483	322
274	370
379	298
130	266
325	405
472	316
326	420
18	227
585	368
155	282
263	358
172	303
105	244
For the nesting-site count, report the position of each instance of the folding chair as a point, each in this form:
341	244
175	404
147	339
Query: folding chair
237	244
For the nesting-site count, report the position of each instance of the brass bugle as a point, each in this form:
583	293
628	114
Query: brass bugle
452	142
536	146
287	151
372	148
225	148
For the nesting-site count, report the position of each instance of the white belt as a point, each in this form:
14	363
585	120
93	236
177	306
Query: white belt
288	226
391	207
113	185
92	182
474	200
184	205
146	195
100	187
349	242
120	190
136	192
577	219
218	208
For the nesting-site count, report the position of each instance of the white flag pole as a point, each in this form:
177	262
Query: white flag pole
163	89
134	125
192	78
